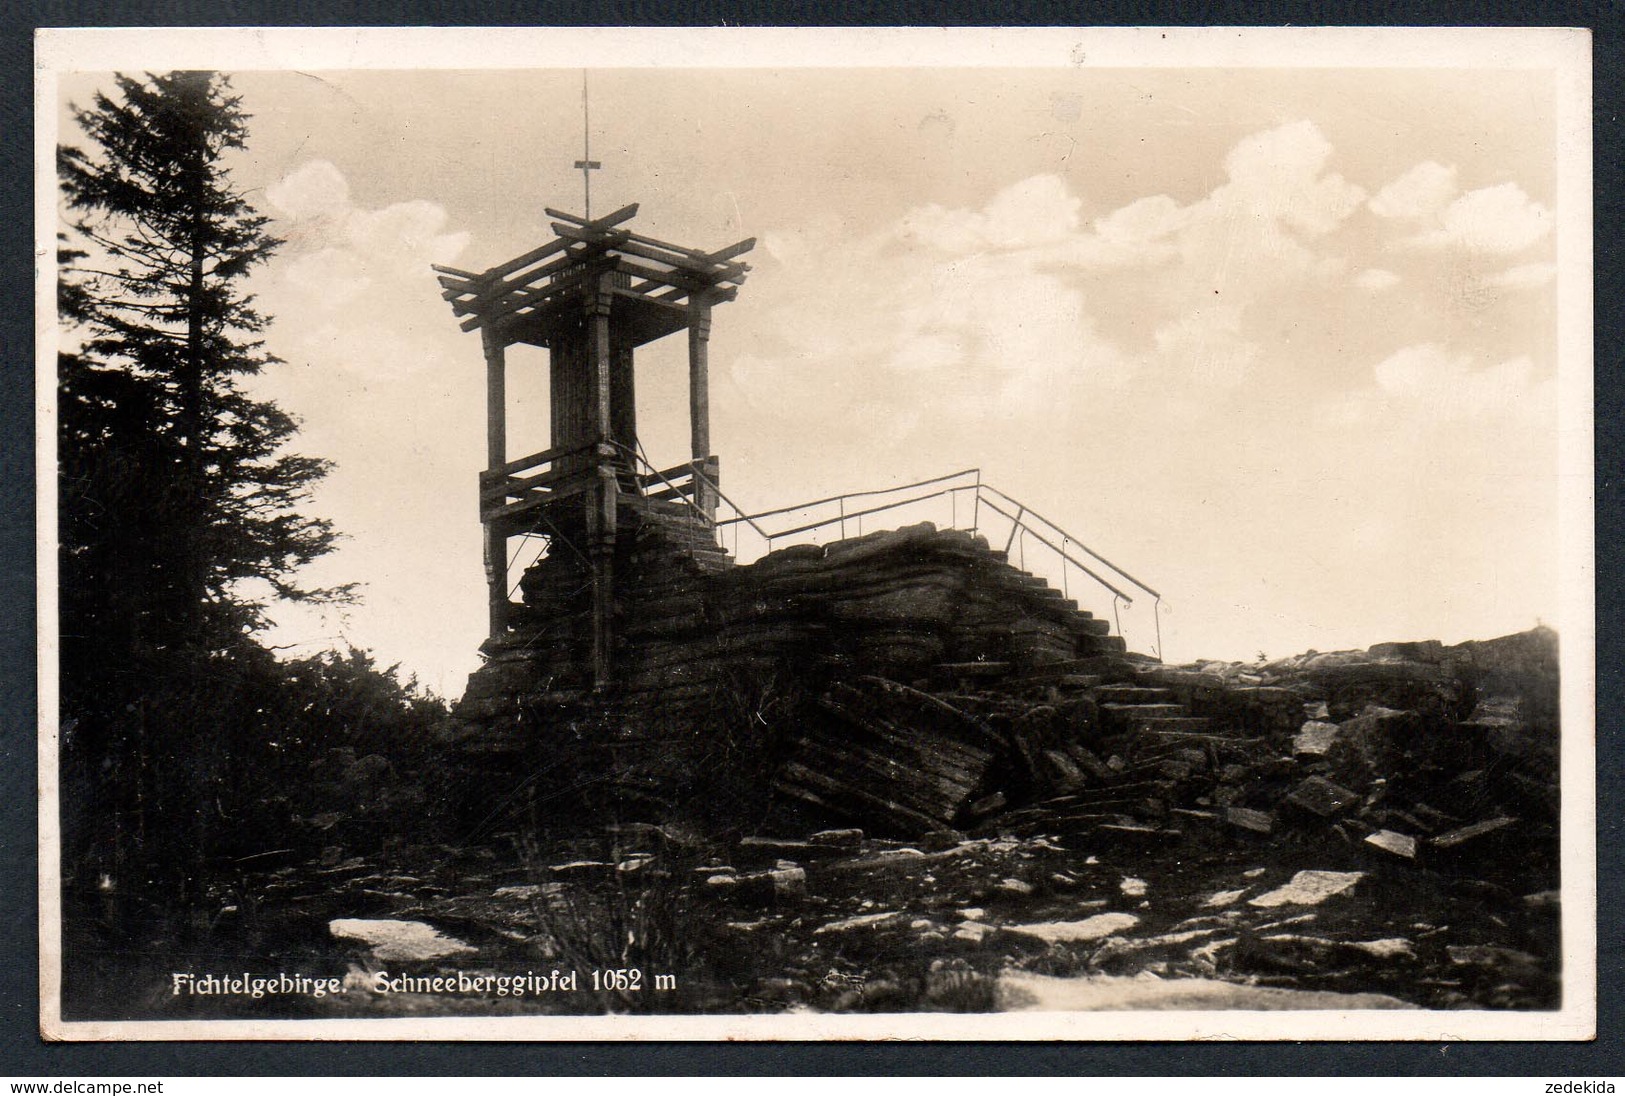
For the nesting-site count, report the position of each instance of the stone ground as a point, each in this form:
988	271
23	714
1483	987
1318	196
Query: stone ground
1371	829
845	923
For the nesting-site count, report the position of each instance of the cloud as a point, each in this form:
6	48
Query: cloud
961	312
1445	385
1259	230
1497	220
1418	194
355	291
1036	211
1526	276
1013	304
1209	344
1279	175
314	189
1147	221
1376	280
1492	220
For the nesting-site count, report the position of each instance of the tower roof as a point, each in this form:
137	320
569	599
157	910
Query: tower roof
528	298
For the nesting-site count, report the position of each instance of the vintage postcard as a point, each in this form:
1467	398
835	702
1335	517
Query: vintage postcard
801	534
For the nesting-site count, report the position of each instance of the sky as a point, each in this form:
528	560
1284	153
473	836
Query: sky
1283	342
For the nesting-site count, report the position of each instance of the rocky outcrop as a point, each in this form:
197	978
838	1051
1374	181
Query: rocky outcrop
912	682
737	689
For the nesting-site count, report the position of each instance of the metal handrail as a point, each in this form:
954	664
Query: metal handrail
1024	522
856	495
1062	552
738	510
862	513
676	492
1068	536
693	468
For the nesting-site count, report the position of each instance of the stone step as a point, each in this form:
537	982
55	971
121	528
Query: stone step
1044	590
1104	667
1132	694
1074	682
1138	713
1101	645
976	670
1173	728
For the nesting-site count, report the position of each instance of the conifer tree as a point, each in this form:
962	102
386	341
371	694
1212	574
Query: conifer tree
169	243
179	509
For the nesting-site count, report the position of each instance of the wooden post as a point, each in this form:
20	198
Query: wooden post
699	395
496	455
601	358
601	500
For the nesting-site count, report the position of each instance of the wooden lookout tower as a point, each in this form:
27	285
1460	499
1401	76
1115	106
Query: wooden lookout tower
590	297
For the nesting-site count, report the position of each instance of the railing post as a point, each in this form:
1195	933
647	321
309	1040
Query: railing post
1015	527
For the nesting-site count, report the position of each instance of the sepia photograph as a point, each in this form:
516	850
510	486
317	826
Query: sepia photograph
815	534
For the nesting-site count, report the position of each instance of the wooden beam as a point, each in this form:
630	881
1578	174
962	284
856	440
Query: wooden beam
574	483
675	278
499	289
732	250
622	241
534	298
546	456
670	475
608	220
493	283
496	446
520	292
502	293
677	312
713	295
699	383
502	270
723	272
694	253
513	485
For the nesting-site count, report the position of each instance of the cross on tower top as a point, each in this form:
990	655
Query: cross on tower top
586	165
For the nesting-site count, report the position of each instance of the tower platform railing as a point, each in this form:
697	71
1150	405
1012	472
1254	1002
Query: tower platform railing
960	500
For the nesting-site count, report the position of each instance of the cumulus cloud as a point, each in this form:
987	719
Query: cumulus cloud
1259	230
1495	220
1147	221
1492	220
1418	194
315	189
1034	212
969	311
1450	385
1209	342
354	289
1004	304
1525	276
1279	175
1376	280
